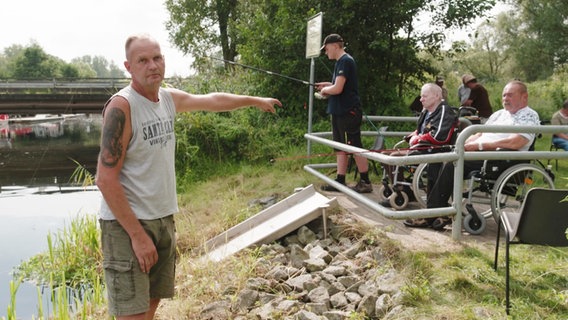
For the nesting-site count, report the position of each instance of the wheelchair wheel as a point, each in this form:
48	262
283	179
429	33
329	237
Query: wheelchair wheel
420	184
513	184
474	225
399	200
384	192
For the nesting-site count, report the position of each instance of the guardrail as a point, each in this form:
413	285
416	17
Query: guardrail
458	155
55	85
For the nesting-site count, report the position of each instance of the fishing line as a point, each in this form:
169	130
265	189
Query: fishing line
317	95
262	70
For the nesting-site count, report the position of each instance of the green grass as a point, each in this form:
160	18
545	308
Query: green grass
459	284
69	272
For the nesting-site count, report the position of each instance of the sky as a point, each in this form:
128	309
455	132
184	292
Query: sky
74	28
69	29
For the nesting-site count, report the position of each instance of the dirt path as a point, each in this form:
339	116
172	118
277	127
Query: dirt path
416	239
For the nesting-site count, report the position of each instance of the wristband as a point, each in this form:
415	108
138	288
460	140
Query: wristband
480	146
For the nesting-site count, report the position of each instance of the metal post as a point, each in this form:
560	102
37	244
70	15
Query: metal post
311	102
324	217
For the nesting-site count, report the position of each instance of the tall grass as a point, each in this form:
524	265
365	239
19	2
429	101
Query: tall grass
68	273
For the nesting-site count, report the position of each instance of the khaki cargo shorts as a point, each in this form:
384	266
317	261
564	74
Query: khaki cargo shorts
129	290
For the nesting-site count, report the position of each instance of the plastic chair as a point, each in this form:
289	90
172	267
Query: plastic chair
542	220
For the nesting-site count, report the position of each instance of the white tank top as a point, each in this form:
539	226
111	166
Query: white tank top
148	173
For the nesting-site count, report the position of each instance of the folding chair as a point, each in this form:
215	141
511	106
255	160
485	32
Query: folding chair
542	220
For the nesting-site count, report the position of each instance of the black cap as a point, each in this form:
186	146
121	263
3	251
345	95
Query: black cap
332	38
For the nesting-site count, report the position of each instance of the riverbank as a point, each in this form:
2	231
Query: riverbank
28	218
450	281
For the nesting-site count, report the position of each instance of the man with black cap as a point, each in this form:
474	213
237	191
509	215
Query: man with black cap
344	105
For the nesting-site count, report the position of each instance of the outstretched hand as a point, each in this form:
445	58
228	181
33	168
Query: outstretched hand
267	104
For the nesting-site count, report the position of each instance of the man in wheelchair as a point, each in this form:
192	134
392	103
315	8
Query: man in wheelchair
515	112
434	133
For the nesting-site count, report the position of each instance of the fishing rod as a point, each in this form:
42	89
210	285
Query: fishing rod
265	71
316	94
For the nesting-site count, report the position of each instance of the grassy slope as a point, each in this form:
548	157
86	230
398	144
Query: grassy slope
454	285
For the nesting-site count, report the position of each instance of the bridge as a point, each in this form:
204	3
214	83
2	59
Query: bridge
57	96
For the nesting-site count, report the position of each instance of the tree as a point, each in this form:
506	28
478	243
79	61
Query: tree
98	67
542	33
199	27
385	38
34	63
489	56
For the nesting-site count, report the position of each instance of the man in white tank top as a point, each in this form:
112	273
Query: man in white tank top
136	176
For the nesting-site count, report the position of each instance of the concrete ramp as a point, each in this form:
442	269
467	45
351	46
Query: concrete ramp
270	224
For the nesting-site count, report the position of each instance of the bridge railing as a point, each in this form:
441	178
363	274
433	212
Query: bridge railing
62	85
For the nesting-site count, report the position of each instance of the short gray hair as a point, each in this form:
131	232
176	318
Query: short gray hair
434	88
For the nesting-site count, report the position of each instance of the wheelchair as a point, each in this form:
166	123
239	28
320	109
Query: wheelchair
396	185
498	186
400	186
408	183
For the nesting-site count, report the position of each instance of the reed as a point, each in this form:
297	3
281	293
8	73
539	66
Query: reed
69	272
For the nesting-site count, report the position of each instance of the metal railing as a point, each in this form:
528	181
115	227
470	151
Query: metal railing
16	85
458	155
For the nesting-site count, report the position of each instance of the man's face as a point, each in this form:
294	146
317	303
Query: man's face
429	100
145	62
330	50
513	98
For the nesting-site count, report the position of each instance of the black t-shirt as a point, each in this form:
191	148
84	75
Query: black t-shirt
348	99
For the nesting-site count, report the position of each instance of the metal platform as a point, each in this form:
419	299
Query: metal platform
270	224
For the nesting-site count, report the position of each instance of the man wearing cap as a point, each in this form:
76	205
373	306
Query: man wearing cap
478	98
344	105
440	82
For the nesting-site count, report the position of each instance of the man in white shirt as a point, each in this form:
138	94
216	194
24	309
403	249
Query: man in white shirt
515	112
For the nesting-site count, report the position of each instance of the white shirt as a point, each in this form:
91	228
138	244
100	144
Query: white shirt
523	117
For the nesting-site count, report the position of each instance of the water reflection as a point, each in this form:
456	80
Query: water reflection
43	149
36	160
27	220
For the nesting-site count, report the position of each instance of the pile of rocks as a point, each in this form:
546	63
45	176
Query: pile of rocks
309	276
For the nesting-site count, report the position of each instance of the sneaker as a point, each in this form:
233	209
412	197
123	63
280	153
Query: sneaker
363	187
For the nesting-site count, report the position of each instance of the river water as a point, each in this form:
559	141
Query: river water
38	156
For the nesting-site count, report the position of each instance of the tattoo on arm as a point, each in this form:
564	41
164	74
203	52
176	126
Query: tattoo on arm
111	142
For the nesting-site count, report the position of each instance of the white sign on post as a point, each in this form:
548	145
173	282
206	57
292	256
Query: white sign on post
313	36
313	45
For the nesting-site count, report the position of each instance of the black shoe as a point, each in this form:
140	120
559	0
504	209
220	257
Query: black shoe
440	223
385	203
418	223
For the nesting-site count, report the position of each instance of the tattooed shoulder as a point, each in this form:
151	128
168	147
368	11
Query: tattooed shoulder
111	143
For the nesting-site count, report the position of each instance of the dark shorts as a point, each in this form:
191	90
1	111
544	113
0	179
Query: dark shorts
347	128
129	290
